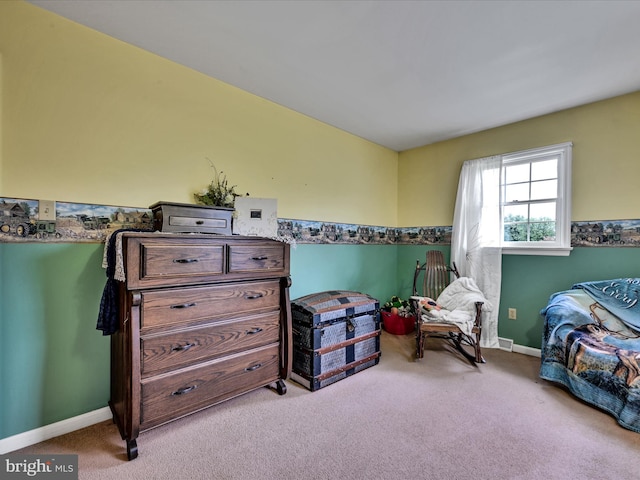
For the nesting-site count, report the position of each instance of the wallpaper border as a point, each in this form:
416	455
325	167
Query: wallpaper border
21	221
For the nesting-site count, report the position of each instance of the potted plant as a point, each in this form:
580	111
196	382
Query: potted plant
397	317
219	193
212	212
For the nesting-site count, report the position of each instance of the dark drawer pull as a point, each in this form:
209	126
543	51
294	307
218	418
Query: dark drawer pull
255	330
259	258
199	222
185	260
184	305
182	391
253	367
254	296
183	348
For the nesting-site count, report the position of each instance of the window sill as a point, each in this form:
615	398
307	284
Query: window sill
548	251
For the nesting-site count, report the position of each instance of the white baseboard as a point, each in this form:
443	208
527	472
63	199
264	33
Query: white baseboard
41	434
534	352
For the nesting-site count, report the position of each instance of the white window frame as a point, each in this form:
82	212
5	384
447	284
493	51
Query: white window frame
562	244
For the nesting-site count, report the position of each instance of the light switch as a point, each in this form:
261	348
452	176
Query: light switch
46	210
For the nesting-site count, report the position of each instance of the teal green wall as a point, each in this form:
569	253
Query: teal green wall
528	281
55	364
369	269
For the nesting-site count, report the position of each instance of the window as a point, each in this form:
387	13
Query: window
535	201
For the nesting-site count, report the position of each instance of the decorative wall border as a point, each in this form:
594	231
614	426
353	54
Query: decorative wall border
28	221
312	232
599	233
606	233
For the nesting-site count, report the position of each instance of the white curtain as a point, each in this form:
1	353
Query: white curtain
475	240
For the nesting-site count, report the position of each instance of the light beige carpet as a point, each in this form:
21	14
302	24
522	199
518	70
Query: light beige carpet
438	418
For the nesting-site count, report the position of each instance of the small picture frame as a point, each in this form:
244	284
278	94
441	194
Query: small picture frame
256	217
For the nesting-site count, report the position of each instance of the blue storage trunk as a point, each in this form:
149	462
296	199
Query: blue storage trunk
335	334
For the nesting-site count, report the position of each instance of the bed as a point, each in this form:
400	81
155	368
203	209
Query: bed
591	345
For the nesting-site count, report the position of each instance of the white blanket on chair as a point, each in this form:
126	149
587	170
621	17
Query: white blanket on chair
458	302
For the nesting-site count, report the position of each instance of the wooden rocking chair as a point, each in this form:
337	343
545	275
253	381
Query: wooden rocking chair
434	280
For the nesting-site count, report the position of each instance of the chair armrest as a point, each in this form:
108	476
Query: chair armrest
413	302
478	320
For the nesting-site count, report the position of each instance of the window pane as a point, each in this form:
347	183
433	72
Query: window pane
516	173
543	232
513	213
543	211
544	170
534	196
518	191
515	232
544	189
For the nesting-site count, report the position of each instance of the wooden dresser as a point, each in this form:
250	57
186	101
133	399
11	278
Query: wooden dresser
202	318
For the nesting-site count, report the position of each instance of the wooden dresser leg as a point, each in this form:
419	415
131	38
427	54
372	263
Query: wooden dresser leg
281	387
132	449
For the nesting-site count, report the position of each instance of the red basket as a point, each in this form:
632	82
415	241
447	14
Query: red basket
396	324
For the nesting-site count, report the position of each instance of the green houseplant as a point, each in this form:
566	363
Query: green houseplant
219	193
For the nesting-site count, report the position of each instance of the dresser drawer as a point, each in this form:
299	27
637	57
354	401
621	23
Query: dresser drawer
180	217
180	307
169	396
157	262
154	261
170	261
257	258
161	353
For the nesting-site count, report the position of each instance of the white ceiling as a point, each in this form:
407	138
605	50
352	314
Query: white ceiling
399	73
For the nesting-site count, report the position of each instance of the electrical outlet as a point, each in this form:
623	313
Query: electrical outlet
512	314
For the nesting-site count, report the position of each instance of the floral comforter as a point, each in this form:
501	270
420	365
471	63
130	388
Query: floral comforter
594	352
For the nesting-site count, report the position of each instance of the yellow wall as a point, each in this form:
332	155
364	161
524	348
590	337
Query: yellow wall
86	118
606	162
89	119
